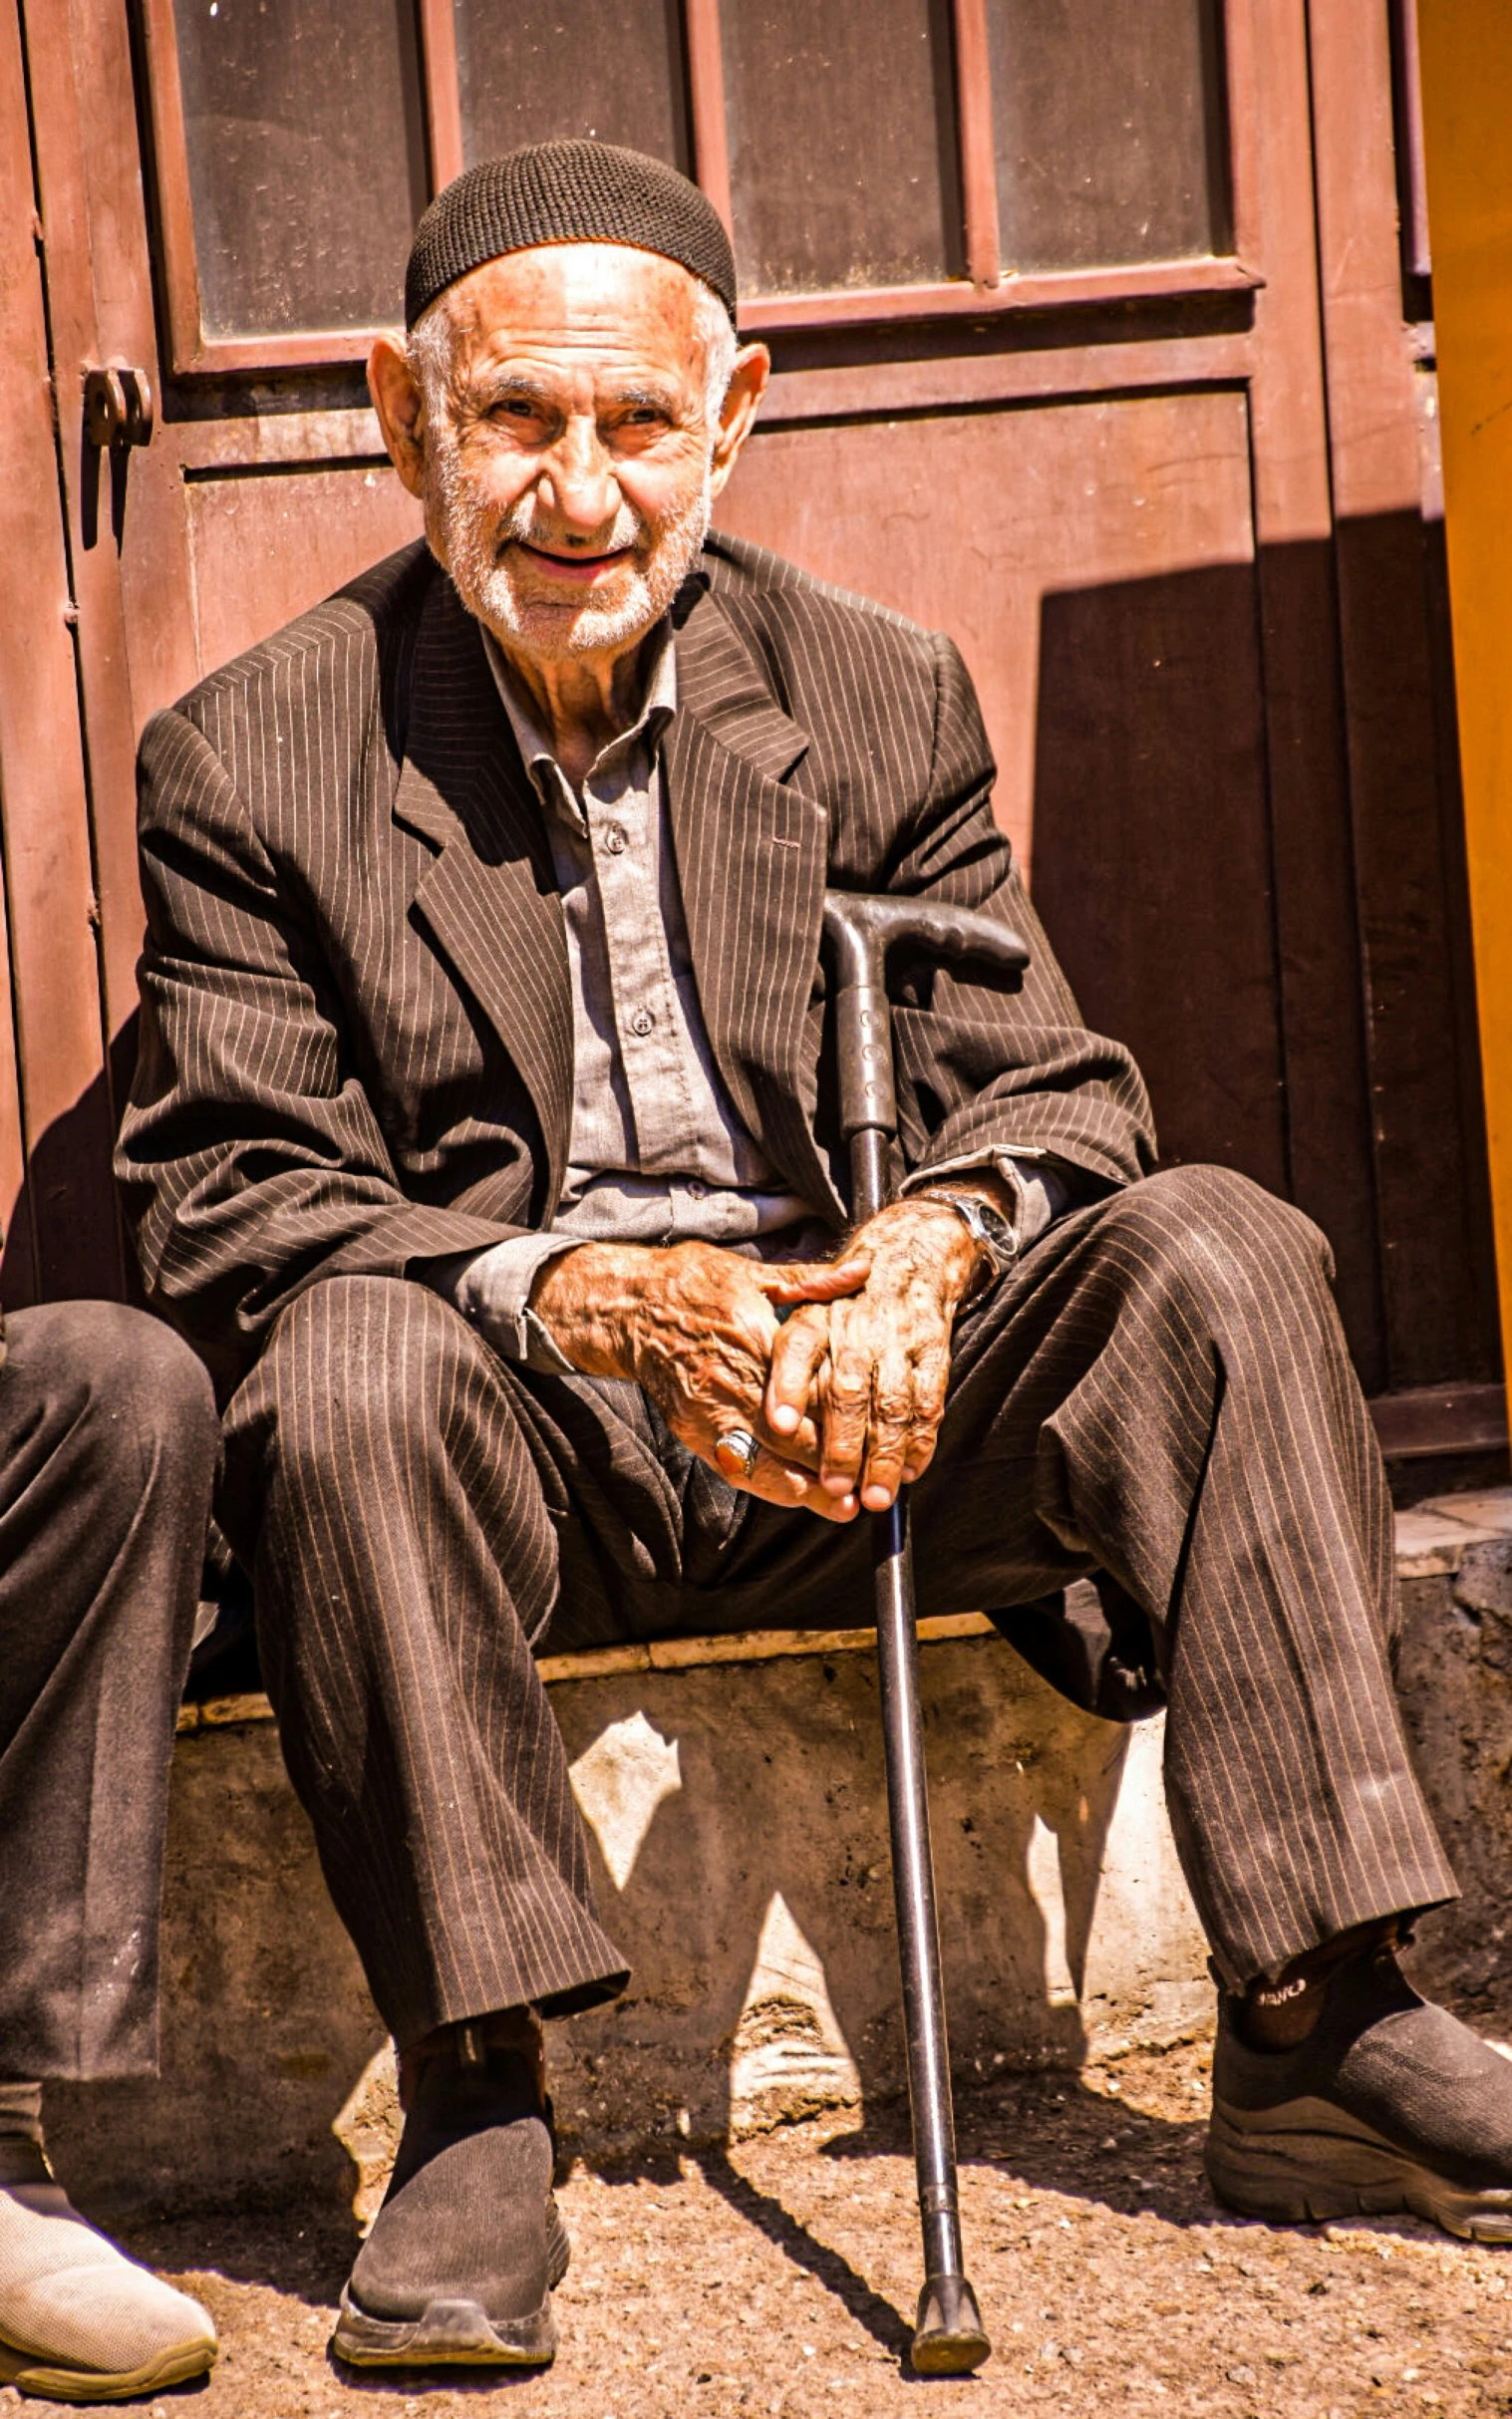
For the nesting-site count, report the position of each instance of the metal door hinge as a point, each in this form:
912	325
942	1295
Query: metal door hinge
117	408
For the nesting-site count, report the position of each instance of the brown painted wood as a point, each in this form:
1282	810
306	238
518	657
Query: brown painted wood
49	892
1439	1325
979	158
763	315
176	212
1095	563
265	548
99	312
970	522
706	101
1045	290
1318	968
1428	1422
443	117
1413	173
31	445
946	381
1241	35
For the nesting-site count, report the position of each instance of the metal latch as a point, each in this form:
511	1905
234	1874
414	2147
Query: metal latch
117	408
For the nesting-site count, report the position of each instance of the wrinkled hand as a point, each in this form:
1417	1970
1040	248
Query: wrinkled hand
696	1326
875	1365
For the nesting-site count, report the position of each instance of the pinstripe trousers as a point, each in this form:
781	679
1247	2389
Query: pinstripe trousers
1160	1391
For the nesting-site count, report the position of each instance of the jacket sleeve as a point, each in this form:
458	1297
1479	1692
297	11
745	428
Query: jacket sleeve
981	1070
251	1159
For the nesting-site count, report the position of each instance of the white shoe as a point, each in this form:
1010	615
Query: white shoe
78	2321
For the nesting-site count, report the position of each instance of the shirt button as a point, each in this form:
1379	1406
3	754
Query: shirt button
615	841
695	1191
642	1022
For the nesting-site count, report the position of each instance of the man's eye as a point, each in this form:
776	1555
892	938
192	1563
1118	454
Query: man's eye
513	407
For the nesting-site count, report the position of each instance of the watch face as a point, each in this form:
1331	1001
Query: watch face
996	1228
996	1233
986	1225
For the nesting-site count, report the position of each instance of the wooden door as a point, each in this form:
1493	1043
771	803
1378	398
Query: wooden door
1051	373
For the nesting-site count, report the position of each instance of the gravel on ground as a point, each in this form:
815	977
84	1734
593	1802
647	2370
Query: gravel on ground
779	2276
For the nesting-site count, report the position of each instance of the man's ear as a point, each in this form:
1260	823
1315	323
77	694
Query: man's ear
401	411
742	401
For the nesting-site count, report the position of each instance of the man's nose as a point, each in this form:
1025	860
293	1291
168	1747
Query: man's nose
577	482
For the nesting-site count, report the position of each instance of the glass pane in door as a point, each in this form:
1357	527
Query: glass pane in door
572	67
304	129
842	147
1110	131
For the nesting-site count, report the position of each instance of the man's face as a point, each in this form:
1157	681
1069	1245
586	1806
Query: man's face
566	445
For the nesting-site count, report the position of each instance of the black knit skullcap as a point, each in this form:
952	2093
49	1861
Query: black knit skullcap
565	192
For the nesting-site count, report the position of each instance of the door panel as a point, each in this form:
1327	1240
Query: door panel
265	548
1094	562
967	521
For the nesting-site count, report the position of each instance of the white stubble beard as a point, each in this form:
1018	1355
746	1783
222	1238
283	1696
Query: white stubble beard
477	550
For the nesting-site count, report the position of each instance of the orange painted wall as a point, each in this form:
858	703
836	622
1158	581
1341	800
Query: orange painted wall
1467	109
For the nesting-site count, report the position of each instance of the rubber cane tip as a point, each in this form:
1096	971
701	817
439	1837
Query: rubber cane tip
950	2339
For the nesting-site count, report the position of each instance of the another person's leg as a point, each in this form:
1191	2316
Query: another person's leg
108	1452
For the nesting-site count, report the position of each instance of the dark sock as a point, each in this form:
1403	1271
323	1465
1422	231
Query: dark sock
1280	2014
469	2042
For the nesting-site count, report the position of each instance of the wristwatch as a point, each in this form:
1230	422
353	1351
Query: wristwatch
987	1229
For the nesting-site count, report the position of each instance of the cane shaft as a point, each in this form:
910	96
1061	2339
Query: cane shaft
914	1891
949	2338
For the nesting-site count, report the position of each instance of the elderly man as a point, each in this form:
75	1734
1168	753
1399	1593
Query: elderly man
485	1133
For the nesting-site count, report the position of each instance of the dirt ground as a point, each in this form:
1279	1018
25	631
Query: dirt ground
776	2278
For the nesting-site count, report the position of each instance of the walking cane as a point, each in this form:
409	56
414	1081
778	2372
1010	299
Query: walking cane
949	2339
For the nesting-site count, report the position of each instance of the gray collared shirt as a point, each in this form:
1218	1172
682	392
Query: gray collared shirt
656	1153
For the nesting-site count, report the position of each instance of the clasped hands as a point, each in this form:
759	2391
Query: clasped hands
844	1396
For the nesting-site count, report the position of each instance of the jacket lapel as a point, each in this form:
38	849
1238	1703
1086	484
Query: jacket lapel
752	855
490	896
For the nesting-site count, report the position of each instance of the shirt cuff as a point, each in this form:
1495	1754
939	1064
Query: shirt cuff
492	1293
1040	1198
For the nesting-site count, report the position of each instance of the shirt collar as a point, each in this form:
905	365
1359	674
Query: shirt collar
658	703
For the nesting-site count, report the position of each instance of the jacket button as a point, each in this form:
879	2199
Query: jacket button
614	839
642	1022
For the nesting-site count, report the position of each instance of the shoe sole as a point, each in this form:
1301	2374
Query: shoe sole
453	2333
448	2333
173	2367
1309	2160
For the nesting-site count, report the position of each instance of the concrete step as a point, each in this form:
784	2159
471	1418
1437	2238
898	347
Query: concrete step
734	1796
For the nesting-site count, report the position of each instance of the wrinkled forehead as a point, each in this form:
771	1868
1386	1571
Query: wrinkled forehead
573	301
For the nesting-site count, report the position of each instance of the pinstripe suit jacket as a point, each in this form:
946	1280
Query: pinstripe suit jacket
357	1029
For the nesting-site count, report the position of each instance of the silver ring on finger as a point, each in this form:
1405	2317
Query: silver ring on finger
738	1454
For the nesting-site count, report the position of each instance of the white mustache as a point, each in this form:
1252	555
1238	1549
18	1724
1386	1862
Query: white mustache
628	532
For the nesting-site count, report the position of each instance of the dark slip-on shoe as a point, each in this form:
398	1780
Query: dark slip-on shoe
463	2254
1390	2105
